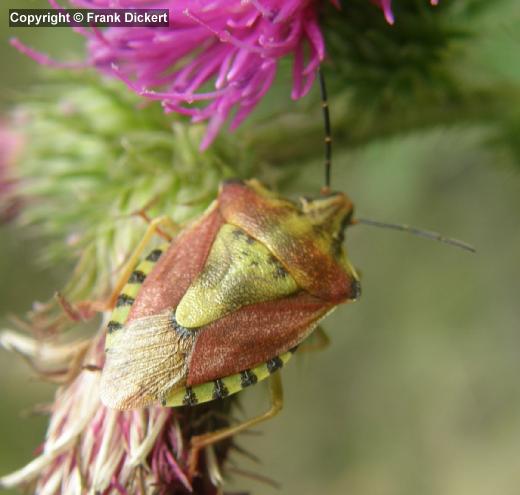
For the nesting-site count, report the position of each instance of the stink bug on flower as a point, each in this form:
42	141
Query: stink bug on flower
226	302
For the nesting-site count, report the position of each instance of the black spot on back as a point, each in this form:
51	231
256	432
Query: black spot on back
247	378
220	391
113	326
124	300
272	260
237	233
190	399
274	364
182	331
137	277
280	272
154	255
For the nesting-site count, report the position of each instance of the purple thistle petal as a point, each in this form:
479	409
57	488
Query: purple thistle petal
44	59
210	61
386	5
175	468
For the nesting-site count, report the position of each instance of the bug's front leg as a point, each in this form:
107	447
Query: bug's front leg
87	309
153	228
201	441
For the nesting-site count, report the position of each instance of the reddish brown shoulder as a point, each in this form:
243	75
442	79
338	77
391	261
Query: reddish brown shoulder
281	226
177	267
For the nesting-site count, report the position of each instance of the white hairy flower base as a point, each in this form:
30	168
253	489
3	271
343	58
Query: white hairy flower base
88	448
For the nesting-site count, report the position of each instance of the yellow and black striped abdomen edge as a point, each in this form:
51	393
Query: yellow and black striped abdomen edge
229	385
130	290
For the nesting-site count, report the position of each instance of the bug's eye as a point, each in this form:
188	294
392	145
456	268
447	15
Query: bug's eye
348	219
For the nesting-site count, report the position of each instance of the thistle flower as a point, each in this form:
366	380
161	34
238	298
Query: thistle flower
221	55
216	57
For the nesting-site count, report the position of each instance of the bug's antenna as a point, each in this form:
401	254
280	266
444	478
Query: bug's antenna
428	234
326	122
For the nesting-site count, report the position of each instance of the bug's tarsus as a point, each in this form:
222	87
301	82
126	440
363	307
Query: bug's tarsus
428	234
71	312
328	133
143	213
81	311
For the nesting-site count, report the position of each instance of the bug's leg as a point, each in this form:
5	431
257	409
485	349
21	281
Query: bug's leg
143	213
75	312
153	227
317	341
85	310
200	441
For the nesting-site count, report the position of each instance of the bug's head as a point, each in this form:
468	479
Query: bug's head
331	213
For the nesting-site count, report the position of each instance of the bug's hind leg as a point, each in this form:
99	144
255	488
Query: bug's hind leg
201	441
317	341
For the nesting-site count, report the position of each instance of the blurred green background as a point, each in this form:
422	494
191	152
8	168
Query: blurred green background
418	393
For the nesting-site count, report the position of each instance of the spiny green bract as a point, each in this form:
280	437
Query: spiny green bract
93	155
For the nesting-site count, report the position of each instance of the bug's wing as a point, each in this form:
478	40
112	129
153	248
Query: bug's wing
254	334
147	359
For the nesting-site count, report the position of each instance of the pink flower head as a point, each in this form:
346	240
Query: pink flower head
216	57
221	55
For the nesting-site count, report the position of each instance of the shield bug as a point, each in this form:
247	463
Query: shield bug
224	305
